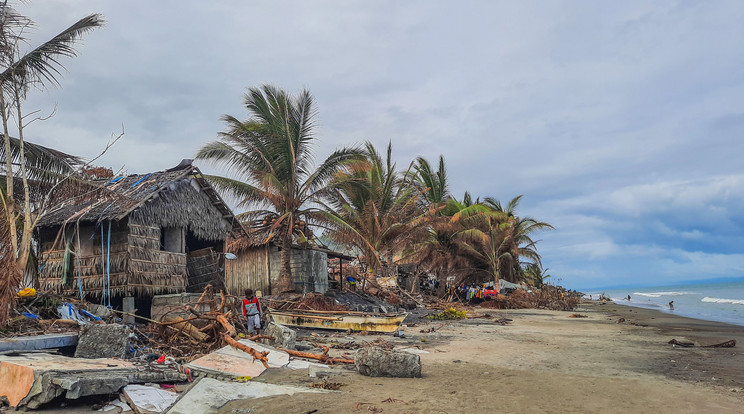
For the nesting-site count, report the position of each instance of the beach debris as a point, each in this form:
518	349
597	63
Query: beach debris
32	379
727	344
283	337
577	315
103	341
208	395
675	342
394	400
370	407
261	356
621	320
146	400
30	343
324	357
379	362
326	385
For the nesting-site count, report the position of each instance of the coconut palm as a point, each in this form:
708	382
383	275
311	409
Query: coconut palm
271	161
433	183
499	240
375	209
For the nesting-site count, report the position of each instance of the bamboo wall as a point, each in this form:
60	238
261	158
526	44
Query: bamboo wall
153	271
136	264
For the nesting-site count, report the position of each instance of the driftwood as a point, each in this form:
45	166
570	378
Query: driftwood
324	358
227	325
261	356
728	344
187	328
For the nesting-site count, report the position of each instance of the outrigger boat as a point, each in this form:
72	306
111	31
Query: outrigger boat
339	320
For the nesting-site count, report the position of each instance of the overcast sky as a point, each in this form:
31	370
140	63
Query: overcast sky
621	123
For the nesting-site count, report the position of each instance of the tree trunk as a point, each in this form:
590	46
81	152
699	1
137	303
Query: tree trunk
285	273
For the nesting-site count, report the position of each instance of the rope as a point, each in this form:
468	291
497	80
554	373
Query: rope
108	263
103	273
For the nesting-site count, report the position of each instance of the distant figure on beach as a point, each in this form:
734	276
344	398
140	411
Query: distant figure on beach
590	297
628	297
671	305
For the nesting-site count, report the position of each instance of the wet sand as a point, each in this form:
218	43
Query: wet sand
543	361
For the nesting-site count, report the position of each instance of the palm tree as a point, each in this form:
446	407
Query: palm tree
375	209
434	184
270	157
499	240
39	67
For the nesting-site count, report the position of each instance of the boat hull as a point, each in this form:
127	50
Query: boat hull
340	322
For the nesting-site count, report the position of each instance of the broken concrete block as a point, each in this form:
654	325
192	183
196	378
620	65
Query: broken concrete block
283	337
103	341
208	395
378	362
33	379
99	310
30	343
148	400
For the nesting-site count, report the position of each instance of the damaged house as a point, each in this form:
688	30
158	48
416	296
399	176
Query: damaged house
257	265
140	236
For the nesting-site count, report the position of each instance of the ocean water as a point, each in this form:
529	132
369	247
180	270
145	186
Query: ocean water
723	302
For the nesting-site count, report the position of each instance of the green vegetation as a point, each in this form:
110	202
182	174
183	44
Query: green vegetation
362	200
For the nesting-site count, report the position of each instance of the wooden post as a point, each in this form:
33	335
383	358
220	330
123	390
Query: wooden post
128	307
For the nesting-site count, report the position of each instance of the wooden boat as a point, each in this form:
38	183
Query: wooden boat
339	320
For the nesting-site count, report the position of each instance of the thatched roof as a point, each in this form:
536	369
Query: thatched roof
166	198
261	236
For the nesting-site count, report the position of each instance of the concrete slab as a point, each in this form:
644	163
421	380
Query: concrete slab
148	400
31	343
33	379
277	358
209	395
231	362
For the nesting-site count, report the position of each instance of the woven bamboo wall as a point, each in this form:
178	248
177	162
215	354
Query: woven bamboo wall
249	270
91	266
136	264
151	270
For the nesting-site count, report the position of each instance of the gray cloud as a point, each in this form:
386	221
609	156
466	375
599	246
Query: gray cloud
619	121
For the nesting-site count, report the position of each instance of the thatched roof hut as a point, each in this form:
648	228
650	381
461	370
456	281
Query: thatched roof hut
137	235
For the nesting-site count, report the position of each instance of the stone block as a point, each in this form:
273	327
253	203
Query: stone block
283	337
378	362
103	341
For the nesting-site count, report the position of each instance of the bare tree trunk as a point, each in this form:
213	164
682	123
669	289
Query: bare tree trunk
25	247
285	273
9	199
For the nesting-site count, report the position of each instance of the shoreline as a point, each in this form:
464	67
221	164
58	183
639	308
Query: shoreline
543	361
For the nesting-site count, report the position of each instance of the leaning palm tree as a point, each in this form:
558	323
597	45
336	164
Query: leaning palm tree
19	71
271	161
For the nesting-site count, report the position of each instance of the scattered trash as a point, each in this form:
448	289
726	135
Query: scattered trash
325	385
577	315
394	400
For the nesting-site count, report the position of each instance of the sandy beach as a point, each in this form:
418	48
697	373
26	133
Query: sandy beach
543	361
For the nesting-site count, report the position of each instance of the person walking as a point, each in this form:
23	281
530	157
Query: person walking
252	312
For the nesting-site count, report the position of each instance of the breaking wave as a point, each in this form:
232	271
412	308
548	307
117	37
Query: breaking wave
660	294
719	300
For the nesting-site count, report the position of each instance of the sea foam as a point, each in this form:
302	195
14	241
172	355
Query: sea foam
660	294
720	300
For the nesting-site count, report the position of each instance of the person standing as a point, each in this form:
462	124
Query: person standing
252	312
